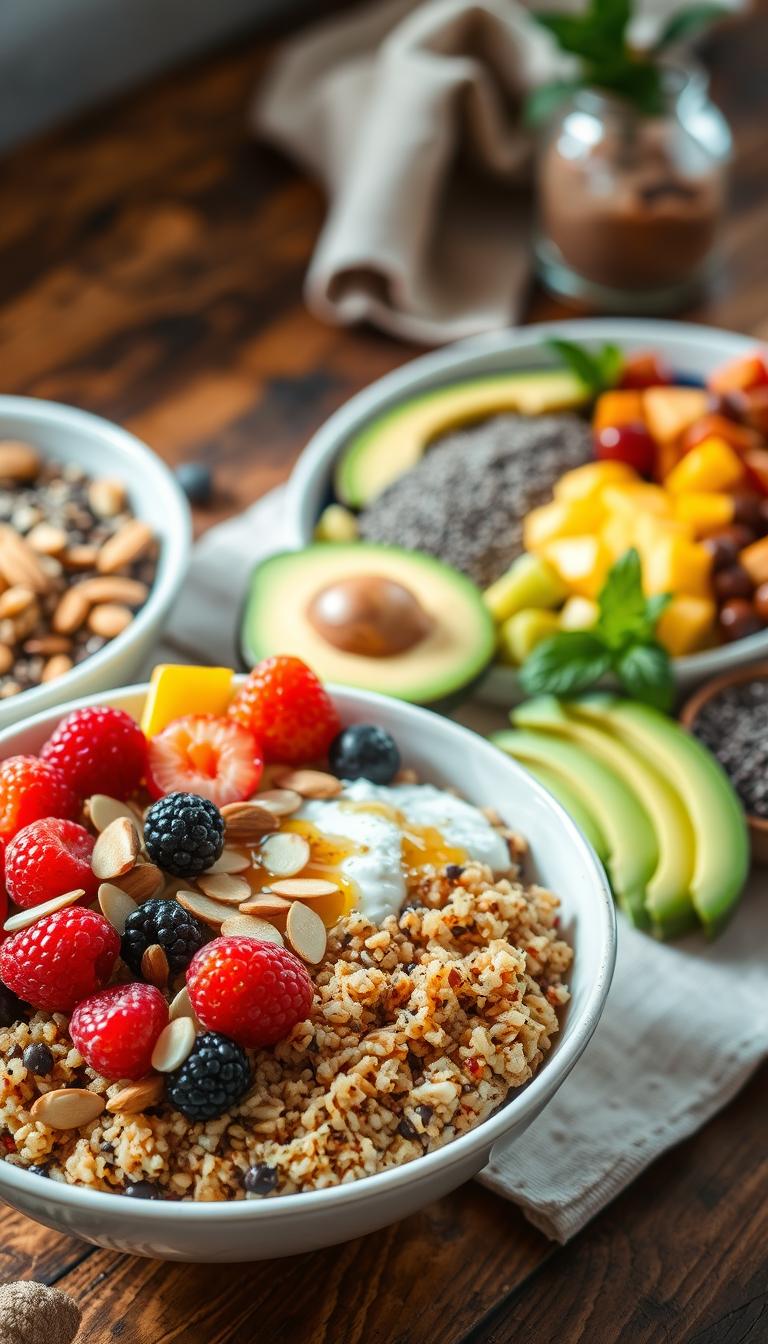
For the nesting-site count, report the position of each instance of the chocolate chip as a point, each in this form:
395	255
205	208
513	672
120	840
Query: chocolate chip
142	1190
406	1129
38	1059
425	1114
453	872
260	1179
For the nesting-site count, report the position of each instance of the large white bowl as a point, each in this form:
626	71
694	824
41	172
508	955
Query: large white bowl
446	754
686	348
104	449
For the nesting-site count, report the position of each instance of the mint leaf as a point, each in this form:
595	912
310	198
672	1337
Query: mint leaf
611	363
612	17
645	672
688	22
622	603
565	664
655	607
599	370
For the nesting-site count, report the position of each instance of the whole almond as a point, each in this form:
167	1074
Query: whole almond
174	1045
57	666
71	612
113	588
106	498
229	861
47	539
19	564
212	913
246	823
116	850
280	802
142	883
116	906
109	619
303	888
139	1096
306	933
284	854
67	1108
80	557
47	645
224	887
19	461
15	600
245	926
154	966
265	906
6	659
130	542
310	783
25	918
103	810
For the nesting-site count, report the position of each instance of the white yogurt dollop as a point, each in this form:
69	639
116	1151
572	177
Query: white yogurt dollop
377	868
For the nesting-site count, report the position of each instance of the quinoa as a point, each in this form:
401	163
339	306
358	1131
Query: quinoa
420	1029
466	500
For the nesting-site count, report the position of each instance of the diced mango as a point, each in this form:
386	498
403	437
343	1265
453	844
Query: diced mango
713	465
587	481
686	625
629	500
578	613
617	408
529	582
707	512
754	558
649	529
740	437
522	632
676	565
176	689
669	411
581	562
618	534
561	518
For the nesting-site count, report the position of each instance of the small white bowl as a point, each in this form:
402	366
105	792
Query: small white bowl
66	434
687	348
446	754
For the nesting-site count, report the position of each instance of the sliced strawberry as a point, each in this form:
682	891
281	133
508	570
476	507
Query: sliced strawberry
215	758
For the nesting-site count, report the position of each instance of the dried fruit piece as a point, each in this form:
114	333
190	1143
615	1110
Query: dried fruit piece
224	887
174	1045
115	906
116	850
67	1108
306	933
284	854
35	912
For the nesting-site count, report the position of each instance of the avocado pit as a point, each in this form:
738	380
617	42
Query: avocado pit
370	615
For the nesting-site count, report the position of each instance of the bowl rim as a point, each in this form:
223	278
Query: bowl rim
176	540
522	1106
320	452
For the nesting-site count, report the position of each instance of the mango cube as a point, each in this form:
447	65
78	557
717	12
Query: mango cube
581	562
619	534
530	581
649	530
522	632
630	499
711	466
176	689
620	407
754	558
578	613
586	482
687	625
675	565
706	512
561	518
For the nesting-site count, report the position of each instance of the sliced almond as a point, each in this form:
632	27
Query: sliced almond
245	926
71	612
310	783
265	906
19	564
280	802
247	823
19	461
154	966
24	918
109	619
130	542
212	913
174	1044
139	1096
115	906
15	600
306	933
181	1006
229	861
142	883
224	887
103	810
57	666
106	498
67	1108
303	888
47	539
284	854
116	849
113	588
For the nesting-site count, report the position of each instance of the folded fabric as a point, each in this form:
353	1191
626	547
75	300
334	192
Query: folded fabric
684	1024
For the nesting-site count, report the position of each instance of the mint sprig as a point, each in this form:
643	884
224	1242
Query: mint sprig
622	641
599	369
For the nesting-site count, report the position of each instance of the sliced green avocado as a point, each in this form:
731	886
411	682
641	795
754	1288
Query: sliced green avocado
396	440
567	797
667	896
721	859
633	849
456	645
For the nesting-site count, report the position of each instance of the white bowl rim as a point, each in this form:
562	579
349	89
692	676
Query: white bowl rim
176	542
518	1108
438	364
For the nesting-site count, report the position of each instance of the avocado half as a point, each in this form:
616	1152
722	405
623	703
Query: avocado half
395	441
452	654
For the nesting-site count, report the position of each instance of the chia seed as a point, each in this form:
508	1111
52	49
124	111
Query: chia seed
734	725
465	501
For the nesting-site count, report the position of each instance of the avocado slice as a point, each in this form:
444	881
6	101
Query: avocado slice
633	848
396	440
456	645
721	842
567	797
668	896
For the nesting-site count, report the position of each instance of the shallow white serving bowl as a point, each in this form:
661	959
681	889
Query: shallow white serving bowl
104	449
686	348
446	754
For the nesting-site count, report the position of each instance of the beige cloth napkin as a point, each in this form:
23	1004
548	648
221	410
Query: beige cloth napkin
684	1026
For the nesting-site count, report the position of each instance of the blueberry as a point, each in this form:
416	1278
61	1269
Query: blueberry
38	1059
38	1171
196	481
365	751
260	1179
687	380
142	1190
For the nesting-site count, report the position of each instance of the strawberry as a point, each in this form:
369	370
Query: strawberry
288	709
202	754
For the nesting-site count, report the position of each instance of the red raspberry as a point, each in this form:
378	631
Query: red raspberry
49	857
61	959
99	750
288	709
30	789
251	991
116	1030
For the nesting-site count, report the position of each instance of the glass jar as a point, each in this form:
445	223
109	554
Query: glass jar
630	205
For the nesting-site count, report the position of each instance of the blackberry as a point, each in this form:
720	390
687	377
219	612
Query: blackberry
167	923
184	834
215	1076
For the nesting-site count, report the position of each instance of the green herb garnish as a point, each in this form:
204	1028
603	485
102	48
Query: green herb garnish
622	641
599	369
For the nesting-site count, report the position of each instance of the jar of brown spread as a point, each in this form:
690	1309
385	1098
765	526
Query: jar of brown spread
630	204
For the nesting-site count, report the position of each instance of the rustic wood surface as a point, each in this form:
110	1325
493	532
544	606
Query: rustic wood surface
151	259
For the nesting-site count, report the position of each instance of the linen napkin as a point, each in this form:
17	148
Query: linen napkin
409	114
685	1023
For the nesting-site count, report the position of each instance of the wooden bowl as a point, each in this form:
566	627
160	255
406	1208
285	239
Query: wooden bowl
758	826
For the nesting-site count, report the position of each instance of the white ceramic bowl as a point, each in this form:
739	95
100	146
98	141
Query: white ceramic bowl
687	348
446	754
104	449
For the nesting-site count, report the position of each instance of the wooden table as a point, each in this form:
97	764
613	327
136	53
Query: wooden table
151	259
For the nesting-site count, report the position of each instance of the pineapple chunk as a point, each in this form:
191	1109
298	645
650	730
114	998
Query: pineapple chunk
649	529
522	632
561	518
529	582
587	482
706	512
581	562
176	689
711	466
687	625
579	613
675	565
629	500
